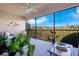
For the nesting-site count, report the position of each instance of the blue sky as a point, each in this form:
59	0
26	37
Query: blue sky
66	17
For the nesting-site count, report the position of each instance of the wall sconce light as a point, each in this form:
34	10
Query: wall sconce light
13	24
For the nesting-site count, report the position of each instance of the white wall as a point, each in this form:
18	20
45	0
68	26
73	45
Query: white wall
6	18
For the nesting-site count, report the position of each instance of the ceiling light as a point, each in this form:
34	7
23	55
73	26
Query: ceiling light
30	9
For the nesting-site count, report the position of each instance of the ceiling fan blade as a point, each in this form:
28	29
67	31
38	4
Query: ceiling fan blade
29	8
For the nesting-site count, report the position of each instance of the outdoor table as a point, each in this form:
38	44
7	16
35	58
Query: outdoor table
72	51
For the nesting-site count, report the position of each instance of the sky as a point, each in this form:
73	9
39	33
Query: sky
62	18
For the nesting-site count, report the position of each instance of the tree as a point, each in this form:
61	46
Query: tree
27	26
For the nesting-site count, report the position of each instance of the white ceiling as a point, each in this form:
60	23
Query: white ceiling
20	9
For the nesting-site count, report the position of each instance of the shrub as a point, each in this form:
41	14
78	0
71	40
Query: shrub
72	39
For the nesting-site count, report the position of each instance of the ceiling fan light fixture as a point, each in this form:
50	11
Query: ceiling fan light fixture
31	10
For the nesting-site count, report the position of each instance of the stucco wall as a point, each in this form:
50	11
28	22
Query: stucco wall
6	19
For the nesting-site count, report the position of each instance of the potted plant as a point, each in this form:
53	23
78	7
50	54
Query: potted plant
3	44
17	43
14	47
31	49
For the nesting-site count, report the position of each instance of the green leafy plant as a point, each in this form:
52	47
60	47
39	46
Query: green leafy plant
72	39
14	45
3	44
31	49
19	41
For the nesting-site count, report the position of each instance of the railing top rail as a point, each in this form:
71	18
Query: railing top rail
55	29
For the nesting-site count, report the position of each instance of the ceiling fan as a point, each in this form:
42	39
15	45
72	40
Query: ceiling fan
30	9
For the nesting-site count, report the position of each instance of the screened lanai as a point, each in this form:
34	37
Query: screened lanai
58	26
55	25
52	28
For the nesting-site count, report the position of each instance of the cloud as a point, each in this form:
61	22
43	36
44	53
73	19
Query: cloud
64	24
76	14
31	21
42	19
38	21
74	23
77	10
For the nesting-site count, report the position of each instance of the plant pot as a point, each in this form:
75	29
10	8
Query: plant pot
12	53
1	53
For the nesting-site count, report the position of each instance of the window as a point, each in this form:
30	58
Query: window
30	27
66	23
45	26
